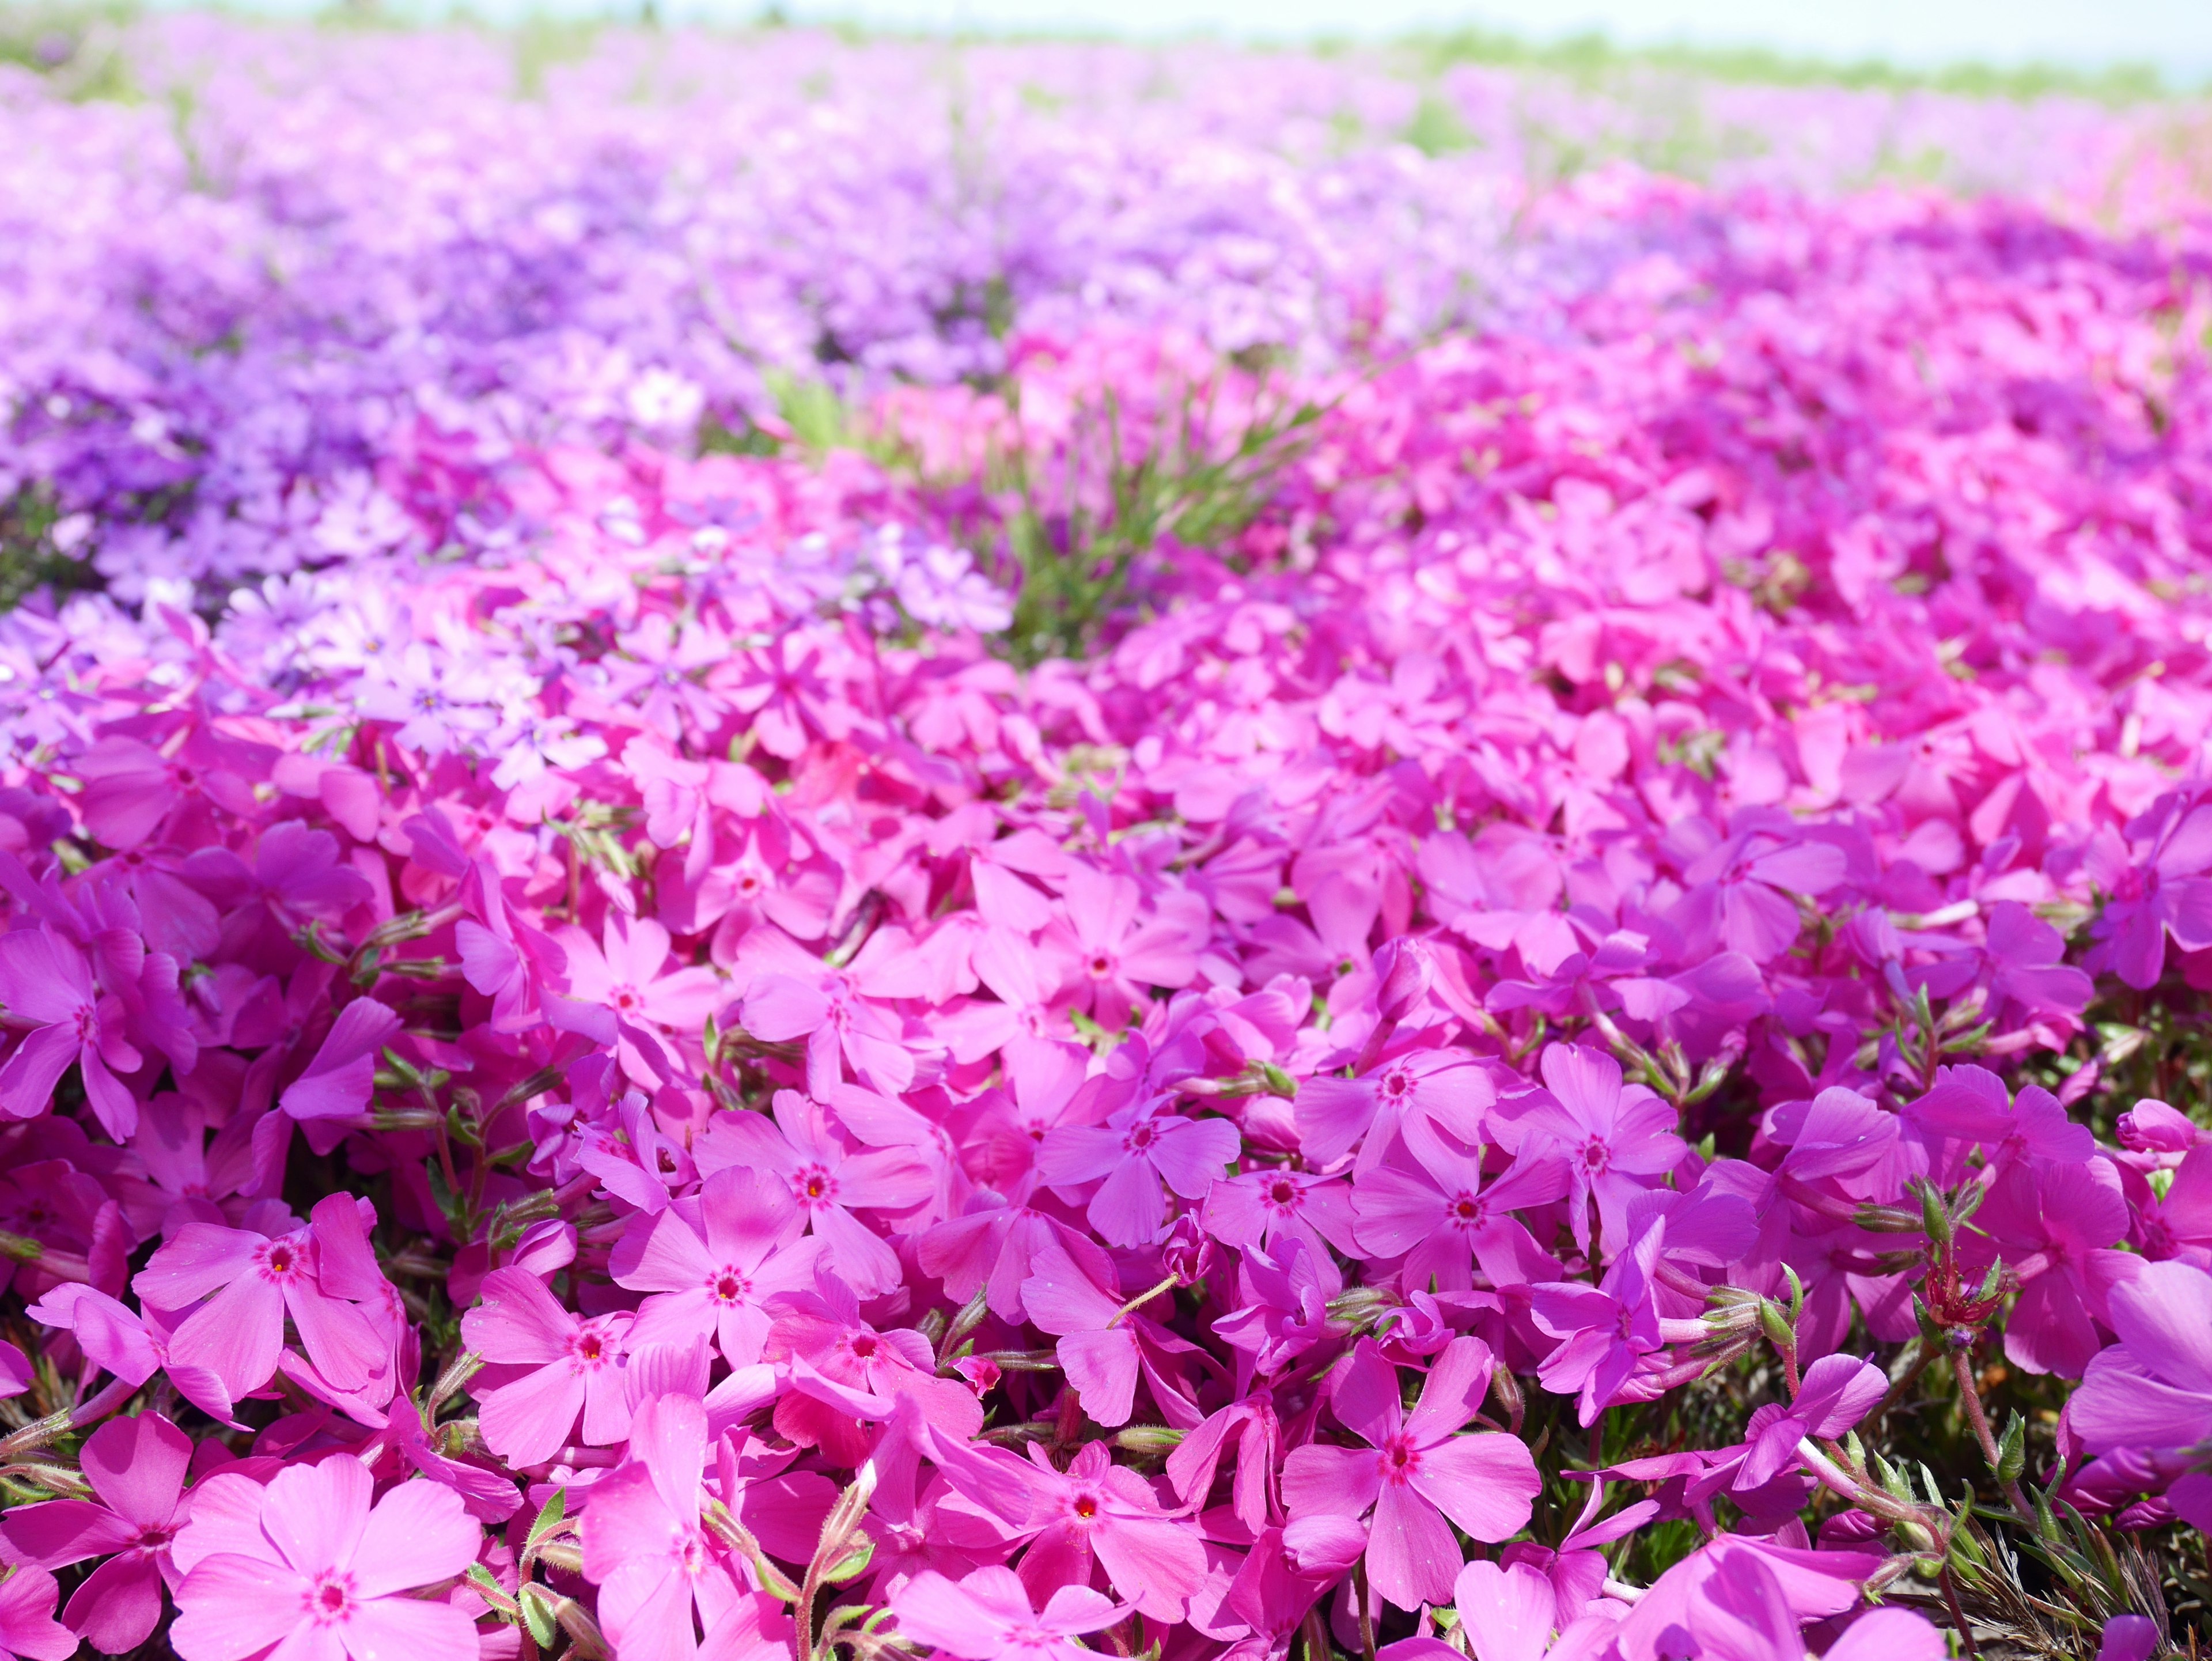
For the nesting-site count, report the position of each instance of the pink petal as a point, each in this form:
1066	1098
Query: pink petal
419	1533
137	1466
201	1258
119	1603
519	1320
63	1531
313	1514
528	1421
237	1334
233	1607
1486	1484
1412	1557
408	1629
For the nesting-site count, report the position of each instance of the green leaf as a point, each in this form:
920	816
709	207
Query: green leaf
540	1616
549	1518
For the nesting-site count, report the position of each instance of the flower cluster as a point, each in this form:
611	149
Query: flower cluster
1578	1031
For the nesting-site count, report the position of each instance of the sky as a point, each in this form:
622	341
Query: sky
2083	34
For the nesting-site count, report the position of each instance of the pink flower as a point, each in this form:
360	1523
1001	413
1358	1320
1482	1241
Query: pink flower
136	1467
1607	1133
1094	1511
653	1563
2050	1223
1442	1219
1413	1096
1416	1470
555	1368
1117	956
28	1627
308	1564
714	1262
827	1181
338	1083
1605	1331
654	1013
987	1616
1136	1152
44	982
250	1283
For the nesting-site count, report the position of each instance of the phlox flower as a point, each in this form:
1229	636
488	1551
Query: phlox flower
136	1469
1416	1471
1607	1133
662	1580
556	1367
250	1283
713	1263
45	981
1140	1152
306	1563
987	1614
826	1180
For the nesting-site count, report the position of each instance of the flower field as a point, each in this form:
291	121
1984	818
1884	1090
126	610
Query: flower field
824	846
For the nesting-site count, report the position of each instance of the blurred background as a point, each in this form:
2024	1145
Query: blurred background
2171	39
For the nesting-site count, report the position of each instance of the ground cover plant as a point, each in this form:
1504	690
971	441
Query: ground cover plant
823	847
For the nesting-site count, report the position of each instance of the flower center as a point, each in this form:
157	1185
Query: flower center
1282	1193
1085	1507
1400	1459
1101	966
331	1599
729	1285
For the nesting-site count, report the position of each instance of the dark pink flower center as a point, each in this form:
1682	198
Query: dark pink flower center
1401	1460
729	1285
330	1598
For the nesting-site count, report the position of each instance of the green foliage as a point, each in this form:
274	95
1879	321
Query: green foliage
1077	539
31	557
1592	57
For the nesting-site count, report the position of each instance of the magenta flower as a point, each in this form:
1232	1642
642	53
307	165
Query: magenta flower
987	1614
28	1627
549	1367
1609	1135
1140	1152
654	1013
1835	1394
2050	1223
1101	1342
714	1262
1442	1219
250	1283
1413	1097
308	1564
339	1081
1094	1511
827	1181
657	1569
136	1469
2154	1388
45	983
1117	956
1416	1471
1739	886
2163	891
1606	1330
